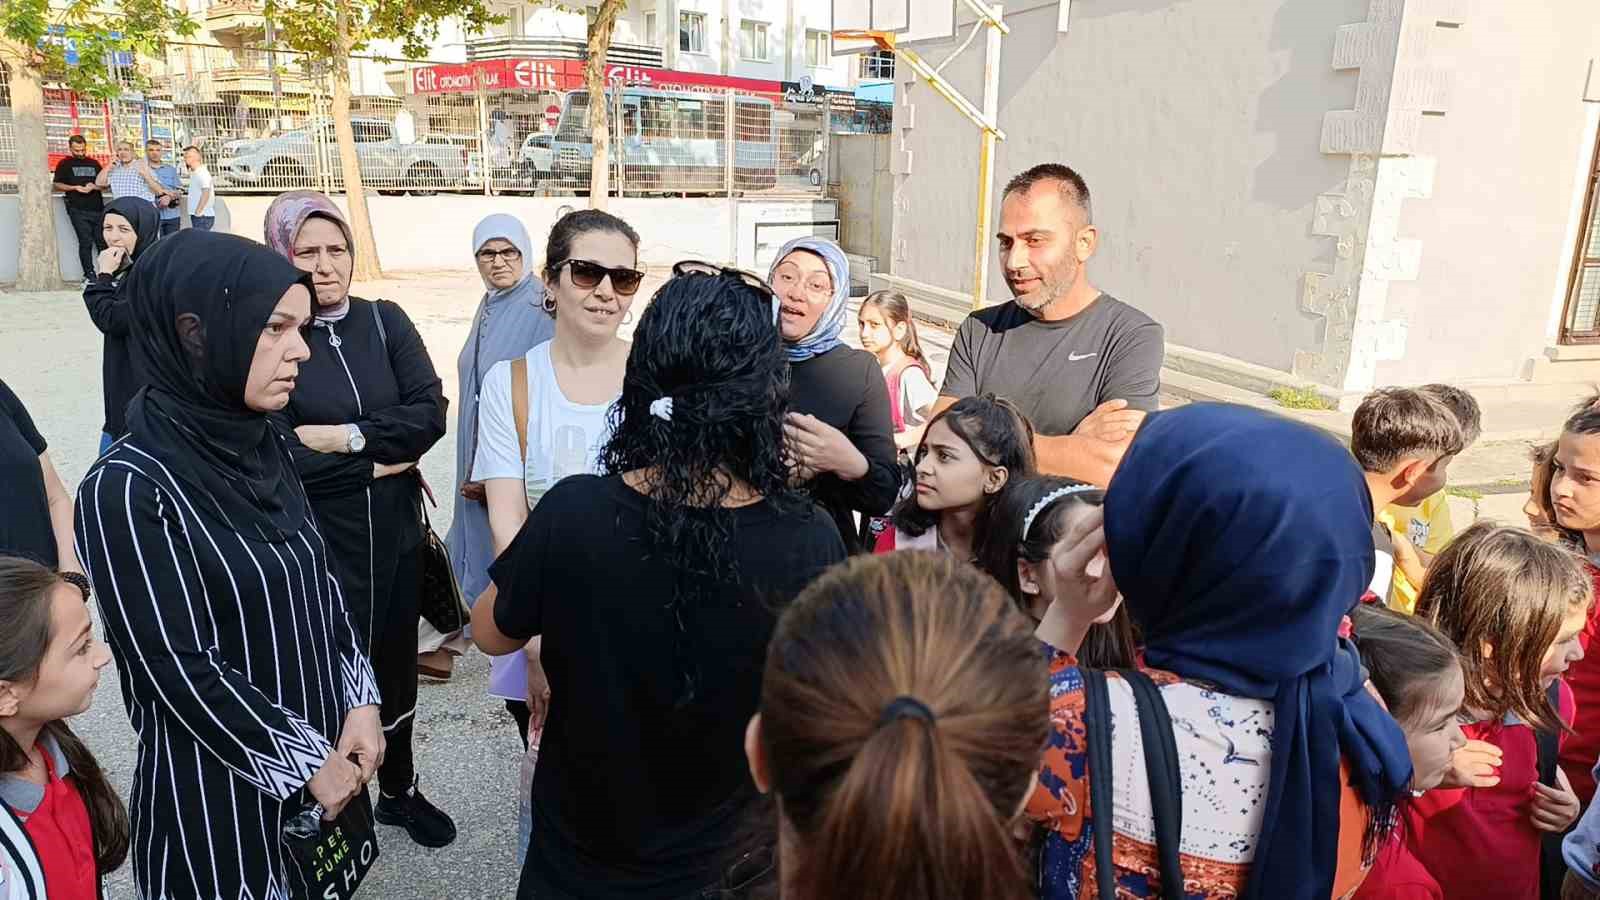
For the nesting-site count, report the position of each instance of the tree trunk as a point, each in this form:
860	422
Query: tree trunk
367	266
38	264
594	76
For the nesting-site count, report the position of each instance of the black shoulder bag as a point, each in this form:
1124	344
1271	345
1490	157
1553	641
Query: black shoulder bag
1552	867
441	604
1161	768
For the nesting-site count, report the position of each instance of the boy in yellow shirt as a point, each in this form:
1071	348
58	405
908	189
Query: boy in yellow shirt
1422	529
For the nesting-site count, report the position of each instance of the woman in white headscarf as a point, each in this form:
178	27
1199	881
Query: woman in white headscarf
510	321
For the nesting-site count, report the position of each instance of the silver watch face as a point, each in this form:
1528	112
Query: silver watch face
358	441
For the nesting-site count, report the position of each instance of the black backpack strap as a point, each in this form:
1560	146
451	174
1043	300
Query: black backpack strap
1102	793
1166	782
383	333
1552	867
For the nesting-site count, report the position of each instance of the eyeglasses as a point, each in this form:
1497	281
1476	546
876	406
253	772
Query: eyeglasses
696	267
818	285
510	255
588	275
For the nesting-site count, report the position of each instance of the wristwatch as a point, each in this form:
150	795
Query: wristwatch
356	441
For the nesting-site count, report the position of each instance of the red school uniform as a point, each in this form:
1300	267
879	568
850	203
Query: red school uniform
1398	875
1580	750
1479	842
61	834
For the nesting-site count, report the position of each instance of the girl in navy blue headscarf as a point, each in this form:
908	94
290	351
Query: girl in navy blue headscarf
1239	540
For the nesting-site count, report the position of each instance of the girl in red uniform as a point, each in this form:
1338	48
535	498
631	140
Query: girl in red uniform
1514	605
1414	669
50	663
966	457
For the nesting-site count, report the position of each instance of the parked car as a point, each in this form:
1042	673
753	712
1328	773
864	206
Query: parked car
467	144
297	158
537	160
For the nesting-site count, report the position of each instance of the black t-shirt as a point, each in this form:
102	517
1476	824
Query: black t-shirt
24	509
74	171
844	388
633	798
1058	372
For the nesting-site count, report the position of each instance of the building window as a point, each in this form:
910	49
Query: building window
1581	321
650	29
819	49
753	40
878	65
692	32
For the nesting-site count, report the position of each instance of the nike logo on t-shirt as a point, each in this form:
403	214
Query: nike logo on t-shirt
1074	357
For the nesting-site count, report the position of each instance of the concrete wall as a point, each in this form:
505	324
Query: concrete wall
434	233
861	182
1196	125
1496	233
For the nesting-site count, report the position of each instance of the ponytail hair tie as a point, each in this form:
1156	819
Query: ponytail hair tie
1047	499
905	707
661	408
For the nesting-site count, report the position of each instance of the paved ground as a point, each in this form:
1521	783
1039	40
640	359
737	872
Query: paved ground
467	751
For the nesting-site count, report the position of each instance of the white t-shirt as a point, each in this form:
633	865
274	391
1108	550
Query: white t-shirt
916	392
200	183
564	438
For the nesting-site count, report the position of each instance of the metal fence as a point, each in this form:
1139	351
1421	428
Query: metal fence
264	121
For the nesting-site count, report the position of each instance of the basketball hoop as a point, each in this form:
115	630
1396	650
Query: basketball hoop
883	40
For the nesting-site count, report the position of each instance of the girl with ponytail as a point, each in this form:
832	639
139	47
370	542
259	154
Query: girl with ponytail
903	709
76	826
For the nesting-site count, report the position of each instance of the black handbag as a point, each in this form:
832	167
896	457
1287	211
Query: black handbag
328	860
441	604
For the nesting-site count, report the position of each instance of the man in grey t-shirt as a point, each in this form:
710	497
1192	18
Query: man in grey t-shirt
1082	365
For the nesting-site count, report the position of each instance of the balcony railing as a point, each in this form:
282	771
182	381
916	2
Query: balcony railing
534	47
236	15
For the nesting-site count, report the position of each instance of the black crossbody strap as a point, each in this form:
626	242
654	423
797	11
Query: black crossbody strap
1102	793
1547	743
1166	782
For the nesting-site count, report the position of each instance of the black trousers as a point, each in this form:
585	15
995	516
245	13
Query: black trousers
86	225
394	661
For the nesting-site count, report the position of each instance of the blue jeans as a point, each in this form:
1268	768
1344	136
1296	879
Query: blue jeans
202	223
170	226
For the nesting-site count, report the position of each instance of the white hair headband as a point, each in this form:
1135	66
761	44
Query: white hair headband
1047	499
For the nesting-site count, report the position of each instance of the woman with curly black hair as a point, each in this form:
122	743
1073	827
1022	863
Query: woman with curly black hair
655	587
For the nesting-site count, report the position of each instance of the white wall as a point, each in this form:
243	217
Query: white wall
433	233
1495	252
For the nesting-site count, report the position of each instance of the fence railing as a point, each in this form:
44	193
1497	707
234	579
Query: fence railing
264	121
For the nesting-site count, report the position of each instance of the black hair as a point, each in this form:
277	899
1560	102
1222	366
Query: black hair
558	249
195	149
77	139
708	342
1112	645
25	602
1072	185
999	435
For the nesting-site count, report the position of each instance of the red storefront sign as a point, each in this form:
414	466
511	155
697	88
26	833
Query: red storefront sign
567	75
499	75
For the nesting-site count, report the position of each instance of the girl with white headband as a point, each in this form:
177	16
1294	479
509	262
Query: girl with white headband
1036	550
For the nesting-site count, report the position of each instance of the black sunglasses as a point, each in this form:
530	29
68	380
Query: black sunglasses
696	267
587	275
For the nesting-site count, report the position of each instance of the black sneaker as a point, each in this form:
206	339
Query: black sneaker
427	824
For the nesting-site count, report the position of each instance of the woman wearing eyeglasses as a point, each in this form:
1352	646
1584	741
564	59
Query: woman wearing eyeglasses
543	417
509	320
839	432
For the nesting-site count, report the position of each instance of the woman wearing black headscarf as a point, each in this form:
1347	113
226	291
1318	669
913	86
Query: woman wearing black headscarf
130	226
241	671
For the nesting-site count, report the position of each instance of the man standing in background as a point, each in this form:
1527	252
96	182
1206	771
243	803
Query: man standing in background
202	205
75	179
167	175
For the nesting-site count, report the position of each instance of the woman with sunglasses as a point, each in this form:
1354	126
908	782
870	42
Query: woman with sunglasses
510	319
657	586
839	432
543	417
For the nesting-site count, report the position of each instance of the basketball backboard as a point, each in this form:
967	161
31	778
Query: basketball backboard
910	21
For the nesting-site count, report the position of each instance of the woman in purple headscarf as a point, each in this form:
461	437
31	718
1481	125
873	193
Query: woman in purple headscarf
368	405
